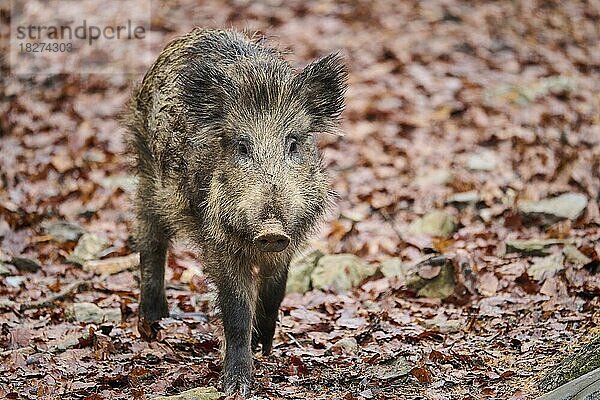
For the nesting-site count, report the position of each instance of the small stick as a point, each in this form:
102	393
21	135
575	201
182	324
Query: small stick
49	301
113	265
294	340
390	221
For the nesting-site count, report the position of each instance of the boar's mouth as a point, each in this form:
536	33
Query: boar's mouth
271	238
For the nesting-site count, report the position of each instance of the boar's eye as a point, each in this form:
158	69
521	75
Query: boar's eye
293	148
242	148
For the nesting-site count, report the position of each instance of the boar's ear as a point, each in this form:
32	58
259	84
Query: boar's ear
322	85
205	91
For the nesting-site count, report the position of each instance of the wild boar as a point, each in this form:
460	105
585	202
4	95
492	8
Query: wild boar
223	133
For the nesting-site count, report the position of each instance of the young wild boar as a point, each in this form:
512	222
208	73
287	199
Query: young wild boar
223	133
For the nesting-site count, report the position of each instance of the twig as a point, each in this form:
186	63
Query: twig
113	265
197	316
49	301
294	340
390	221
21	350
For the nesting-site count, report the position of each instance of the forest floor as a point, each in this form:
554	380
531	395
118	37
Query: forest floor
480	110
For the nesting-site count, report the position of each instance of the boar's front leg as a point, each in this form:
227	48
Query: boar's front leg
152	244
270	295
237	297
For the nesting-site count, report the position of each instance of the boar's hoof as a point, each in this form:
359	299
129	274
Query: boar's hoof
265	340
154	312
237	385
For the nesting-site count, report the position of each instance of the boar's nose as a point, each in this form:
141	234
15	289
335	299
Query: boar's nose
272	242
272	238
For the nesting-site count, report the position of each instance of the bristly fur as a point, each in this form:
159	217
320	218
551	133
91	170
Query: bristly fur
223	134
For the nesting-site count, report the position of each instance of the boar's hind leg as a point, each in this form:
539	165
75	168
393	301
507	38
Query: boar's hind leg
152	244
270	295
236	300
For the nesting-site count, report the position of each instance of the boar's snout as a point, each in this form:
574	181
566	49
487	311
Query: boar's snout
272	242
272	238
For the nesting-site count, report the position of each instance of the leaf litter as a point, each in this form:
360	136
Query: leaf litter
471	135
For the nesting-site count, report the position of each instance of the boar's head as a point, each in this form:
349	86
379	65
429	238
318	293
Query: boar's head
253	123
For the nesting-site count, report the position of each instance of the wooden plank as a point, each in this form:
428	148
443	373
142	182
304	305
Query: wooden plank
586	387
